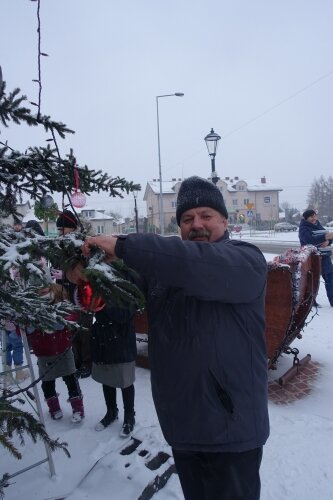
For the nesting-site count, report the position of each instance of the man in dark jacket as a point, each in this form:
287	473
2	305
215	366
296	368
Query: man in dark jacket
311	232
207	351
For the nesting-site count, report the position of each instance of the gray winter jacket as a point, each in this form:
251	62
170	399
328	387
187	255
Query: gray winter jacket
207	349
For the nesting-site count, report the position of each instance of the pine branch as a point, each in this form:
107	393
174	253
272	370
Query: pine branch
42	170
27	308
35	173
4	483
11	109
108	282
115	282
38	172
16	421
18	298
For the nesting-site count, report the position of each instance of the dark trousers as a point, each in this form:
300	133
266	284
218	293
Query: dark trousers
328	278
110	396
81	349
73	387
219	476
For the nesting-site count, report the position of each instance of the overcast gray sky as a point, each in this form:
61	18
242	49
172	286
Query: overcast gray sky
260	72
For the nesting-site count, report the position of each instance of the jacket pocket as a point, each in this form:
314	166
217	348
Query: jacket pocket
222	395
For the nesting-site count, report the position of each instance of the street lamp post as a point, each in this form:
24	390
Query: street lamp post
212	140
135	194
177	94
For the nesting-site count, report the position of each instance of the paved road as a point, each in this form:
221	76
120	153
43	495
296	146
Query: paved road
276	247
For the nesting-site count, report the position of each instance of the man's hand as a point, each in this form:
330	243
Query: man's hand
106	243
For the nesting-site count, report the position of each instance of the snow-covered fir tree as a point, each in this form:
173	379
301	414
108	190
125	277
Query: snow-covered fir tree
24	256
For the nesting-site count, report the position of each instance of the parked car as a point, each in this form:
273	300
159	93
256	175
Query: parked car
285	226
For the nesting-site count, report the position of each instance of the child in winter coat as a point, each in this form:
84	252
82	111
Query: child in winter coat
13	344
14	350
55	359
113	351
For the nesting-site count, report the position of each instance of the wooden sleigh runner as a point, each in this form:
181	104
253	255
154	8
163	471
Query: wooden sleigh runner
292	286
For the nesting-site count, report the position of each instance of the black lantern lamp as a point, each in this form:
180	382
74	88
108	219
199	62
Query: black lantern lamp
212	140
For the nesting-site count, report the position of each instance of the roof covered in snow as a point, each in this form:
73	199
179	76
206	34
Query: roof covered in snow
95	214
258	184
167	186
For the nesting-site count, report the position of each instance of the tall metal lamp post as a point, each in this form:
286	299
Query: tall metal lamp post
177	94
135	194
212	140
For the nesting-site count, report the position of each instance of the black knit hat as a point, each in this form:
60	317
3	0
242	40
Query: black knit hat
197	192
35	226
67	219
308	213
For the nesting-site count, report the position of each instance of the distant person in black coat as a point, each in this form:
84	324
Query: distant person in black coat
113	351
308	236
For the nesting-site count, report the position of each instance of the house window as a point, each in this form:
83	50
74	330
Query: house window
234	203
246	201
267	200
100	229
87	213
241	187
174	204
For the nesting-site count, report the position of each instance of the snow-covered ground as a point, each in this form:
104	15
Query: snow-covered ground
298	457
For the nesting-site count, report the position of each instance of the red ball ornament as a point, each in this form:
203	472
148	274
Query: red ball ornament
84	297
78	199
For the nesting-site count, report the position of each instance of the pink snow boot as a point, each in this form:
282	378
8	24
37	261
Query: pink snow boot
54	408
78	409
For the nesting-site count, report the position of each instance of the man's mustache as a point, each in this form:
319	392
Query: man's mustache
198	234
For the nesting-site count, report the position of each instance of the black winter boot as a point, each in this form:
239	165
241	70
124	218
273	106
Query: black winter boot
129	420
112	410
128	425
110	416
